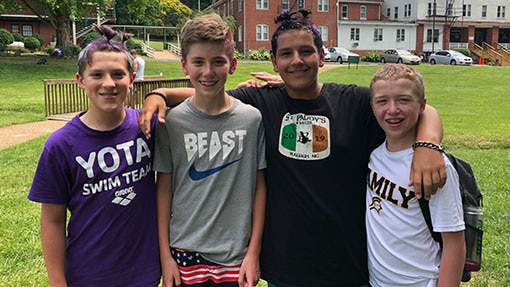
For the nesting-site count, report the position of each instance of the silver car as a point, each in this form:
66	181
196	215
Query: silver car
340	54
399	56
450	57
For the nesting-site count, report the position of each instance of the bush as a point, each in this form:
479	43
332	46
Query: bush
259	55
371	56
48	49
238	54
89	38
32	43
40	38
18	37
464	51
6	38
131	44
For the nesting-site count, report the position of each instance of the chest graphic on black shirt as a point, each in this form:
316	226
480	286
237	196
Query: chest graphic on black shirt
305	137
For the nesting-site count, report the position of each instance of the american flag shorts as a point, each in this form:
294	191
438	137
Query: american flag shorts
196	271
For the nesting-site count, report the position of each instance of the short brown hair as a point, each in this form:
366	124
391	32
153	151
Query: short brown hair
400	71
206	28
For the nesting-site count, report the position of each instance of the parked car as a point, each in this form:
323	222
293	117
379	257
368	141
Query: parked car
399	56
450	57
340	54
327	55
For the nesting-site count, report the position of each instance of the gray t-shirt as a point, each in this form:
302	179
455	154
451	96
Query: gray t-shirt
213	161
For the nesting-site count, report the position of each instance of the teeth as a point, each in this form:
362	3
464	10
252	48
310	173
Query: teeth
393	121
207	83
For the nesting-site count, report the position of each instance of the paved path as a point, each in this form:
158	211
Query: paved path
16	134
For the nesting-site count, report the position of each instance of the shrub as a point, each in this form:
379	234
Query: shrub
32	43
259	55
89	38
131	44
48	49
40	38
238	54
371	56
464	51
18	37
6	38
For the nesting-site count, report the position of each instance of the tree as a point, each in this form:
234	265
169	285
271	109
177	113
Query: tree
9	5
59	14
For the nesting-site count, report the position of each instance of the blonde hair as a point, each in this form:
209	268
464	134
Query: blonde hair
400	71
206	28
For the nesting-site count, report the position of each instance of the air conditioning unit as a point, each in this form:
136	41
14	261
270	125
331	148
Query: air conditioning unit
355	44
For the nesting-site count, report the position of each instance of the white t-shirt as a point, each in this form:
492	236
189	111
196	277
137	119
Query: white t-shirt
401	250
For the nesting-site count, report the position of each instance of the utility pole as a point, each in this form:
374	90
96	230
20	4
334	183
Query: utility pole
434	7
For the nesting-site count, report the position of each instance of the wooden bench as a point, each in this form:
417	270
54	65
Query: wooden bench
65	96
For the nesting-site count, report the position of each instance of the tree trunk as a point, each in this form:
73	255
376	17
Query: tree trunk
62	25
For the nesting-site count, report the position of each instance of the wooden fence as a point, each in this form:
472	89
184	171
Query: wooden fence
65	96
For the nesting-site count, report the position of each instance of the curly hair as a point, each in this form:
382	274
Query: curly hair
104	44
295	20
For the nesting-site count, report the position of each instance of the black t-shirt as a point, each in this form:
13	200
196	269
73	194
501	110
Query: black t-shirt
317	157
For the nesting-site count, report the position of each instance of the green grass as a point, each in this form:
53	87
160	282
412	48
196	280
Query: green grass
473	103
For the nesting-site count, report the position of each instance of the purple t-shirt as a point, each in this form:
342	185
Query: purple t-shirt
106	181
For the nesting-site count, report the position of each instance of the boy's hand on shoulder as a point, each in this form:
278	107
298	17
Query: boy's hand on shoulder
428	172
151	105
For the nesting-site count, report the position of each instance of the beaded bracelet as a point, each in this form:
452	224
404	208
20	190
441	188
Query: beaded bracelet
156	93
428	144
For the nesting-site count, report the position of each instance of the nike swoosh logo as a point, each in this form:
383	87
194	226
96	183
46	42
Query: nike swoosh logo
198	175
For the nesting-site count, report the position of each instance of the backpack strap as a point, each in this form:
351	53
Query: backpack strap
425	209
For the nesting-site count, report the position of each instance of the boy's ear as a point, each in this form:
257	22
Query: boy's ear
423	105
233	66
273	60
183	67
79	79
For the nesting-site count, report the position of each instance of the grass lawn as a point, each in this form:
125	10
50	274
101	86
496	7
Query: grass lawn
473	103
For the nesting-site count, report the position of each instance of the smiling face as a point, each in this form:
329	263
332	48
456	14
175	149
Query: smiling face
106	80
207	65
397	106
297	60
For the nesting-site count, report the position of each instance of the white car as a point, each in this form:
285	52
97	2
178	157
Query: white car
450	57
340	55
399	56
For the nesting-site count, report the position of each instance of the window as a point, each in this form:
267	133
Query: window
240	4
378	34
322	5
231	7
262	32
26	30
354	34
407	10
363	12
301	4
431	10
396	13
401	35
429	35
240	34
323	30
388	12
285	4
262	5
14	28
484	11
466	10
501	12
449	9
345	12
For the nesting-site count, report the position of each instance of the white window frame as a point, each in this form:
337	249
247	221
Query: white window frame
262	5
240	5
395	12
323	30
231	7
363	12
355	34
466	10
401	35
322	5
15	28
431	37
240	34
262	32
378	34
301	4
27	30
484	11
345	12
501	12
285	4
